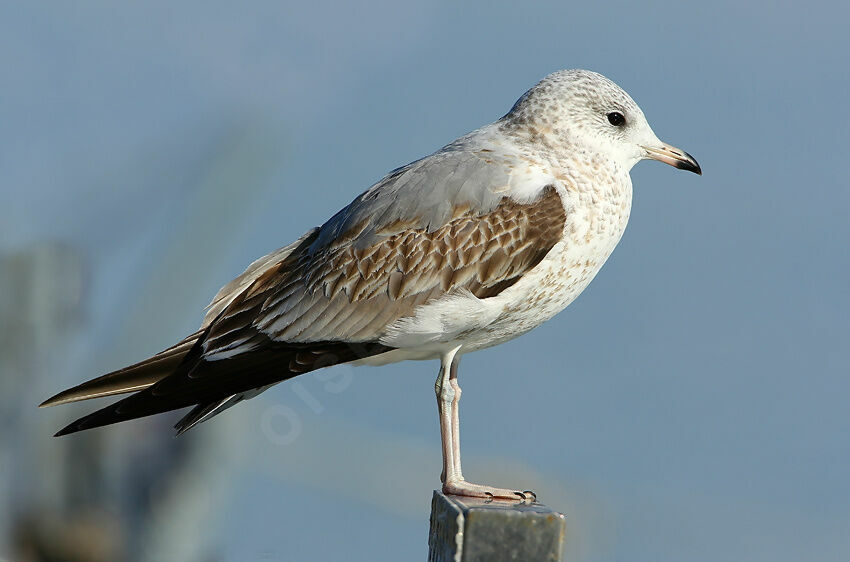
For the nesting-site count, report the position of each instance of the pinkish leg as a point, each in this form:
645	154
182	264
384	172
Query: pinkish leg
455	436
448	396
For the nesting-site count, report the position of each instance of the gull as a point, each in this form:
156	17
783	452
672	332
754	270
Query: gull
467	248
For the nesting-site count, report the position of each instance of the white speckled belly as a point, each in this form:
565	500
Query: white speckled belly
595	220
595	223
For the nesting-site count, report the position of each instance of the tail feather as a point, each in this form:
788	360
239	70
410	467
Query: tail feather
214	386
129	379
203	412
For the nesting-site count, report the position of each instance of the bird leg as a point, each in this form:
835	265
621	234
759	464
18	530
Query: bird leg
448	394
455	432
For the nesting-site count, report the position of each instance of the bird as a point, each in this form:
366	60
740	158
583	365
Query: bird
469	247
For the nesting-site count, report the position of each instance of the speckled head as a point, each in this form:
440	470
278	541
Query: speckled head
583	110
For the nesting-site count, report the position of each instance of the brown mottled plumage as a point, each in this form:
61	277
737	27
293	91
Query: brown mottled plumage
353	293
366	289
469	247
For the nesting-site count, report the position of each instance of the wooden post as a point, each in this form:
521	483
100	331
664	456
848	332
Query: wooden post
470	530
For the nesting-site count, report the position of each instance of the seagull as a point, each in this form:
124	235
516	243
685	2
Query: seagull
467	248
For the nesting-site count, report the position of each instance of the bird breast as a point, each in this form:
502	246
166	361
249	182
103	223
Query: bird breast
597	212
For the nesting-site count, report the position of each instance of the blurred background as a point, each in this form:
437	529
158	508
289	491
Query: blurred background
692	404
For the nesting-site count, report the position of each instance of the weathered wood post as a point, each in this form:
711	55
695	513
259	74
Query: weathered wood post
471	530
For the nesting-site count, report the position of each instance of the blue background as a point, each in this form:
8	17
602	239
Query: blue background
692	404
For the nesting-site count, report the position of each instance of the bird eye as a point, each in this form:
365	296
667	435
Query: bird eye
616	118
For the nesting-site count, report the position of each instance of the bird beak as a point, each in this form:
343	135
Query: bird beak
673	156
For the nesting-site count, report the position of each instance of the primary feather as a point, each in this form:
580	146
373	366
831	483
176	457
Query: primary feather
438	226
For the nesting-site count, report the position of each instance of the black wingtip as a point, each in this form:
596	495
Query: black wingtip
68	429
108	415
99	418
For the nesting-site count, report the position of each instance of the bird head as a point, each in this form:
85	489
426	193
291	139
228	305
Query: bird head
585	111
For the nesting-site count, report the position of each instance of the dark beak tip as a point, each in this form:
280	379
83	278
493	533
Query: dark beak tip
690	164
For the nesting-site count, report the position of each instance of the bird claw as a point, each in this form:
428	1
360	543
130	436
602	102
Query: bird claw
488	493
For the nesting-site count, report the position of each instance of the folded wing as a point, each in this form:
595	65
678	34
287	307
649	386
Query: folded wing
441	225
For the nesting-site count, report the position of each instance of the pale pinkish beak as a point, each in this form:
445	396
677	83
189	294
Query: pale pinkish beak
673	156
